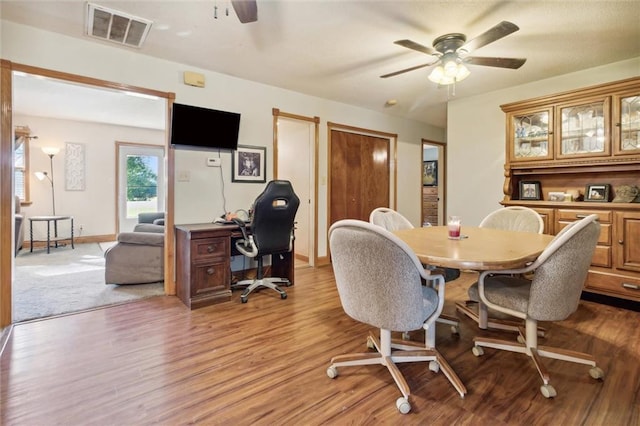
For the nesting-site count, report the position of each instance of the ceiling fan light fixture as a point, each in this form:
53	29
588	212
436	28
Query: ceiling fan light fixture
451	72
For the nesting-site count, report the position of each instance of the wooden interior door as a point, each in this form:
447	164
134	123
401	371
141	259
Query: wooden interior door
360	173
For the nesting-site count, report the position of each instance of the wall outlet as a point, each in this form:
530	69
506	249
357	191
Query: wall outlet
214	162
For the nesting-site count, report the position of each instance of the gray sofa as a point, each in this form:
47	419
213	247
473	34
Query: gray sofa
138	256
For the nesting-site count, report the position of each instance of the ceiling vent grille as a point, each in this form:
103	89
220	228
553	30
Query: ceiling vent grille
116	26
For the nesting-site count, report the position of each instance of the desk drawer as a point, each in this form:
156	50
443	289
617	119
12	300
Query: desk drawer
209	248
210	277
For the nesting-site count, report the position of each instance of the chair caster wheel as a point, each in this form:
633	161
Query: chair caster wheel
434	366
283	295
403	405
548	391
477	351
596	373
332	372
243	299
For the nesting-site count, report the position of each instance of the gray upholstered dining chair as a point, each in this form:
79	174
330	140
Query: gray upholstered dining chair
379	281
552	295
391	220
512	218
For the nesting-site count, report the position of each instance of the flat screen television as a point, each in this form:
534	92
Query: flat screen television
204	128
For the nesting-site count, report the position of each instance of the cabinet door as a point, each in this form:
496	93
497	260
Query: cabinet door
626	122
583	128
627	241
530	135
547	219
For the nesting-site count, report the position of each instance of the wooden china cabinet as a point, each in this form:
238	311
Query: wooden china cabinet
568	141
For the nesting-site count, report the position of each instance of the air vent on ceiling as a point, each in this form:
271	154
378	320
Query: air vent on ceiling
118	27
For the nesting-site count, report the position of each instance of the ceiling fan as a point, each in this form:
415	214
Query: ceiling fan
451	52
247	10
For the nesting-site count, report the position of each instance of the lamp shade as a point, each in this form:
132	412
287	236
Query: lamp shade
50	150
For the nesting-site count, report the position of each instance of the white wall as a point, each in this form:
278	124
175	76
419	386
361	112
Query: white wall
476	137
202	197
94	207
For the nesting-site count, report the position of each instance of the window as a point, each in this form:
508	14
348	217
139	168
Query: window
21	163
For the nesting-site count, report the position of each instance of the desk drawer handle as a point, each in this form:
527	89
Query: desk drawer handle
631	286
210	271
211	248
581	216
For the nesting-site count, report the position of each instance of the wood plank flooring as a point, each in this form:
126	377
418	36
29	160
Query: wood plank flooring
264	363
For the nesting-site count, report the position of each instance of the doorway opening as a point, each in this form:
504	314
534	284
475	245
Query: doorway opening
295	159
434	185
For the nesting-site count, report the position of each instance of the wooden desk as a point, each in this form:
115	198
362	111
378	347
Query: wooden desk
55	239
203	265
483	249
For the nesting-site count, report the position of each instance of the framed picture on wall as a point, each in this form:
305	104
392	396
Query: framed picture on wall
248	164
430	173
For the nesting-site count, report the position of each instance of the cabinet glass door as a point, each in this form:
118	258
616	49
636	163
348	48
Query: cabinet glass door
583	129
627	124
530	136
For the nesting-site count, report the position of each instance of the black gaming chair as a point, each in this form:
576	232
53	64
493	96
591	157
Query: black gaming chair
270	233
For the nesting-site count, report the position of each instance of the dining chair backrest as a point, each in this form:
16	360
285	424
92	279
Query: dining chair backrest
389	219
514	218
561	271
379	278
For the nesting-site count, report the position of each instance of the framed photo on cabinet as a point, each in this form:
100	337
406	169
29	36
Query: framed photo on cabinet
597	192
530	190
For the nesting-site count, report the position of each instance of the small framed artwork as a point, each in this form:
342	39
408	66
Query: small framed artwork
430	173
530	190
597	192
248	164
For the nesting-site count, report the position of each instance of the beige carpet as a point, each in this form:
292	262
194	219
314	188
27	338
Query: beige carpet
68	280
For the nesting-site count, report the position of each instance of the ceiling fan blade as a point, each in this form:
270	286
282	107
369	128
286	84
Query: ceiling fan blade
415	46
417	67
513	63
247	10
503	29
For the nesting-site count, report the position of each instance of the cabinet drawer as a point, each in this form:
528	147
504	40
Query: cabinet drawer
602	257
211	277
614	285
604	216
605	232
430	190
210	248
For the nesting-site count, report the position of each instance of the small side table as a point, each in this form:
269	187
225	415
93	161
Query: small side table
55	239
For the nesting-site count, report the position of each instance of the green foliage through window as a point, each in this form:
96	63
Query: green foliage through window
142	181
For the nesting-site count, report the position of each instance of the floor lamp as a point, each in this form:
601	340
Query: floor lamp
51	152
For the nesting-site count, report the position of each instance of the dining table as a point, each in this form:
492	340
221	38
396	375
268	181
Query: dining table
478	249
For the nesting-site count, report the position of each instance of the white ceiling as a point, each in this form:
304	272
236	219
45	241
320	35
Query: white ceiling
338	49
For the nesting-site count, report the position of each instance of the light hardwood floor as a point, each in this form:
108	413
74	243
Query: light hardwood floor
264	362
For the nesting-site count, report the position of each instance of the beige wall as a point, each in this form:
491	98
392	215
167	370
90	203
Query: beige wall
201	198
94	207
476	137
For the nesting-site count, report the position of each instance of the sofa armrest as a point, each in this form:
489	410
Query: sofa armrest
149	227
141	238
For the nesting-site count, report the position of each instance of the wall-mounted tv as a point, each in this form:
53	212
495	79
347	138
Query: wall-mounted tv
204	128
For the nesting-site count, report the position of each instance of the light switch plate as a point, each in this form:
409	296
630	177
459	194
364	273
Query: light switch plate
214	162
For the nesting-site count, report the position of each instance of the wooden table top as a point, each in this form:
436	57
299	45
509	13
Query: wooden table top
482	249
